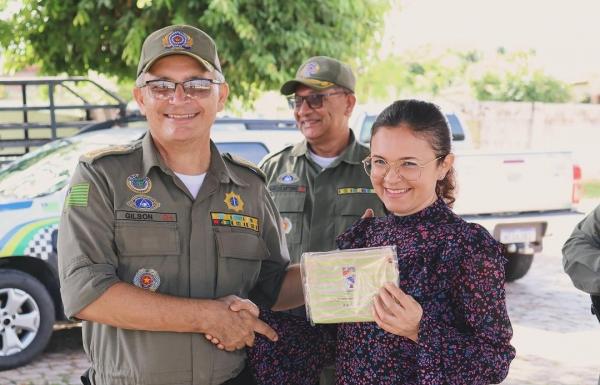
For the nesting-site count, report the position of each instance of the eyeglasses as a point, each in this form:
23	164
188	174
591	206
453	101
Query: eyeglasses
194	89
314	100
410	170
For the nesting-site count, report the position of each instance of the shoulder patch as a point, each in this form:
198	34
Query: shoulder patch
246	164
91	156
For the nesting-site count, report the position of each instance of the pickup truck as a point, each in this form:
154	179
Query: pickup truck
511	194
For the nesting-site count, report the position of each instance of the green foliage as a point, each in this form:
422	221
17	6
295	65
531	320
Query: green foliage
515	79
503	77
261	42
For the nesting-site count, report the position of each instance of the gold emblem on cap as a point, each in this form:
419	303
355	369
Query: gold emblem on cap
177	39
234	202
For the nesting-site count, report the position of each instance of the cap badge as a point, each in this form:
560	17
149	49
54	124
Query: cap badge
177	39
139	185
147	279
234	202
310	69
143	202
288	178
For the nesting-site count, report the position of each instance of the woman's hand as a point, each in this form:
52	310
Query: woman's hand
234	303
397	312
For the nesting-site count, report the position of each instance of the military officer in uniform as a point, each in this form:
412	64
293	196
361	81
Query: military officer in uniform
320	189
158	239
581	257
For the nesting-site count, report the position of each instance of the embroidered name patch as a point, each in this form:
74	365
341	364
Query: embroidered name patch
234	220
123	215
355	190
78	195
287	188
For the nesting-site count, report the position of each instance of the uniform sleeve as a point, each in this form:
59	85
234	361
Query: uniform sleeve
87	260
581	254
477	352
274	267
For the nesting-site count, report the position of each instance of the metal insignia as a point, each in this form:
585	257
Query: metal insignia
143	202
234	202
177	39
139	185
147	279
288	178
310	69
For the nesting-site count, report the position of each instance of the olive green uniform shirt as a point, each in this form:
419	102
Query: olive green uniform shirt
317	204
581	254
128	218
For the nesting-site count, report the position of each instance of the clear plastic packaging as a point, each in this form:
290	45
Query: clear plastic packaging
339	285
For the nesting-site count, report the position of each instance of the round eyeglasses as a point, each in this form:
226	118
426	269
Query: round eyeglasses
161	89
408	169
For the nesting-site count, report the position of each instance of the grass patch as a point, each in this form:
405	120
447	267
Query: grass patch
591	189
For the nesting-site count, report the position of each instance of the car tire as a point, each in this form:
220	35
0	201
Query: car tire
517	266
26	318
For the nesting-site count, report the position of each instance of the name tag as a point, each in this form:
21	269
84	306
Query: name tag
123	215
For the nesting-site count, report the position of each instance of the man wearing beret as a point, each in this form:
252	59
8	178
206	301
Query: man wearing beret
160	238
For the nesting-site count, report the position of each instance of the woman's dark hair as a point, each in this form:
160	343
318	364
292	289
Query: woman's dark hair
428	122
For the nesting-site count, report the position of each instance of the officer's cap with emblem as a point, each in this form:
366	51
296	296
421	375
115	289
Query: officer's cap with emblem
321	73
179	40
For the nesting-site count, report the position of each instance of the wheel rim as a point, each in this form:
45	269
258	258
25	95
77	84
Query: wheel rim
19	320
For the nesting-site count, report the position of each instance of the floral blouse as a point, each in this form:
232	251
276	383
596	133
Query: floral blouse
455	270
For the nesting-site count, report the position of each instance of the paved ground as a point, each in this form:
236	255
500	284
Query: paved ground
557	339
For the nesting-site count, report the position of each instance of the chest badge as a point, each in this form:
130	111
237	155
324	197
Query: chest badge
286	225
143	202
139	185
147	279
234	202
288	178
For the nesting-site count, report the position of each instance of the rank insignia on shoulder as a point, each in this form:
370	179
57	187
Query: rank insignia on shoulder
139	185
147	279
355	190
234	202
288	178
143	202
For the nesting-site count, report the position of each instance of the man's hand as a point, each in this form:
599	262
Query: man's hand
233	330
235	303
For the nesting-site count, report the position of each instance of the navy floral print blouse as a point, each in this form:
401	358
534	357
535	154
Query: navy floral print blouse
455	270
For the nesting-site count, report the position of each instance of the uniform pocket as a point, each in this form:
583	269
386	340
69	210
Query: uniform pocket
291	207
147	239
350	207
239	263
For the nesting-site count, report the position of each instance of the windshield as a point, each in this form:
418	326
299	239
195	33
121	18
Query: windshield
47	169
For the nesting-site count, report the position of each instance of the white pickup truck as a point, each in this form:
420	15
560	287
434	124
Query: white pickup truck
511	194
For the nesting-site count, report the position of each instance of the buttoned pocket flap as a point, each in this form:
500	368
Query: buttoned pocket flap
356	204
241	245
289	202
145	239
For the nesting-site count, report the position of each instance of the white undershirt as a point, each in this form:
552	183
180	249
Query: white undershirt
321	160
192	182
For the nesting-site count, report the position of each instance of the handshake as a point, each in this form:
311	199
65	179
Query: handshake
234	324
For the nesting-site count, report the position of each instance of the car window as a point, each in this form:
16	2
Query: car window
49	168
252	151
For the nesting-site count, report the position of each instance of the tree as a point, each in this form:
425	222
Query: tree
260	42
518	81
